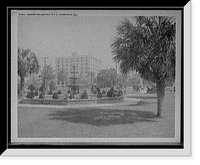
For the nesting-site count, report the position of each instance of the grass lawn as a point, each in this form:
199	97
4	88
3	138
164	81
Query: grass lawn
136	121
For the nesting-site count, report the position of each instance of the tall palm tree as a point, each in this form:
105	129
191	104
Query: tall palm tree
148	46
27	64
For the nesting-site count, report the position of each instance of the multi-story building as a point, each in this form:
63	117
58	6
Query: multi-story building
84	65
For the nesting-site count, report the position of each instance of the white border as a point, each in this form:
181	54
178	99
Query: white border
177	14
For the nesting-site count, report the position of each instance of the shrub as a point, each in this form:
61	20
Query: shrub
50	92
42	95
55	96
59	92
36	93
99	95
31	87
42	88
30	95
52	86
84	95
103	91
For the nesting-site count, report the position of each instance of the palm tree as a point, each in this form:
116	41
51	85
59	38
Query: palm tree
149	48
27	64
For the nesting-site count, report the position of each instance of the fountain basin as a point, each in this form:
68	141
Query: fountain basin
73	101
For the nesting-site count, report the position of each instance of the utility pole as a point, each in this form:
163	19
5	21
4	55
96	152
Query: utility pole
45	72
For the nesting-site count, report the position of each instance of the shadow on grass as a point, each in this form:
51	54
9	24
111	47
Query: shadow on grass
145	103
103	117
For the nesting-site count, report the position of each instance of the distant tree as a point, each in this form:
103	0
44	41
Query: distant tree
34	79
27	64
149	48
112	76
52	85
62	76
47	74
106	77
42	88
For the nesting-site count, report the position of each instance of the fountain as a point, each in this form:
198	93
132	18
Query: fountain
74	87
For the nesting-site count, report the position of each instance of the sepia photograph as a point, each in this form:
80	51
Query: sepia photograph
97	78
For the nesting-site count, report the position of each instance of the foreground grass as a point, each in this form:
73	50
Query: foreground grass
112	121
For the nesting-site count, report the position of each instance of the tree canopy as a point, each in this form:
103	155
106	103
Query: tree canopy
147	47
47	74
62	76
107	77
27	64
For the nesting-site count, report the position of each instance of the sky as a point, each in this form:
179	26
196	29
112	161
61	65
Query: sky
61	35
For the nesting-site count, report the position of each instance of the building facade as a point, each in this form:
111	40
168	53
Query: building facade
84	65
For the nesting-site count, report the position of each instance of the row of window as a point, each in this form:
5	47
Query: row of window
72	60
79	73
73	64
59	69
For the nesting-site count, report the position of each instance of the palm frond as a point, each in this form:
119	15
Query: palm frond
148	47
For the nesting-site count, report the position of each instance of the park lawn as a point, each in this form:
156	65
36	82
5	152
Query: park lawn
135	121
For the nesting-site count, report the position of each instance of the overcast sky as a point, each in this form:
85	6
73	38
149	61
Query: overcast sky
54	36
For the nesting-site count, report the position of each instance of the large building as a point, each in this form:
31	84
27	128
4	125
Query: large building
84	65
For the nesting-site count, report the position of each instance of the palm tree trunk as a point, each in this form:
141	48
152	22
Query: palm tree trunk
160	86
